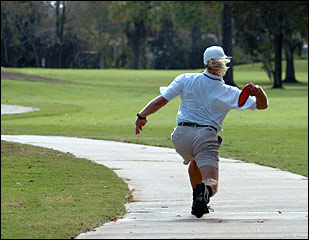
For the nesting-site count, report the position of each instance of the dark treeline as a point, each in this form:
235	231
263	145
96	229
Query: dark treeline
151	34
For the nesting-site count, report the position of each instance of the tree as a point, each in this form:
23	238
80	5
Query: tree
195	23
165	47
60	20
289	47
295	34
28	34
26	23
227	39
168	48
95	25
6	32
60	40
134	20
264	23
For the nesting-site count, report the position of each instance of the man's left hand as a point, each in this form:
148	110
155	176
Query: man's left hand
139	125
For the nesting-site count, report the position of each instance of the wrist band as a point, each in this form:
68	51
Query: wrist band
140	117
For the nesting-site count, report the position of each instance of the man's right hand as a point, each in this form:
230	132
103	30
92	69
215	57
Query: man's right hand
261	97
254	89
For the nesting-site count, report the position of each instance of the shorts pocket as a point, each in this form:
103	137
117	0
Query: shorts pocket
173	133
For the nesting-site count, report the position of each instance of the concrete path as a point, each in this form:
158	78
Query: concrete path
253	201
14	109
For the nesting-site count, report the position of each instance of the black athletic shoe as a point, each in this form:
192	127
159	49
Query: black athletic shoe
193	203
202	199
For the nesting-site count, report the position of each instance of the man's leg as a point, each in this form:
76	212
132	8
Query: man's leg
195	174
204	189
210	176
195	177
207	174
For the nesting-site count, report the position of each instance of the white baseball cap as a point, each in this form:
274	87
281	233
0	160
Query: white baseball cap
214	53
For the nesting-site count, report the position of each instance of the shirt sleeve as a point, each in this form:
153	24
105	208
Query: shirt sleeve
174	89
250	103
230	99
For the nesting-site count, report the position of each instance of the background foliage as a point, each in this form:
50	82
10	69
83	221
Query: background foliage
144	34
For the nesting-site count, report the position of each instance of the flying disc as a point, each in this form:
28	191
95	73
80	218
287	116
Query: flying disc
243	96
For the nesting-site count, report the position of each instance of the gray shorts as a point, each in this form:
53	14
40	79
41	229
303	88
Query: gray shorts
197	143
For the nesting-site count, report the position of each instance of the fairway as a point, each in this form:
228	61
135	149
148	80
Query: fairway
102	104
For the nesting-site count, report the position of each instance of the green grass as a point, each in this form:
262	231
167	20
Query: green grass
102	104
46	194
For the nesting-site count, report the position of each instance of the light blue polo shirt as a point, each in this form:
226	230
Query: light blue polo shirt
205	98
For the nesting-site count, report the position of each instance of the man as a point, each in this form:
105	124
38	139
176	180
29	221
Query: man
205	101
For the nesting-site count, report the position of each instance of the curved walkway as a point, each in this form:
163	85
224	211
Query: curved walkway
253	201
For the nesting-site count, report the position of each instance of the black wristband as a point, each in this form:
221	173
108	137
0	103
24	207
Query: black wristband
140	117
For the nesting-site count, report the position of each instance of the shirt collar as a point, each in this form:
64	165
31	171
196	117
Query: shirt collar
212	76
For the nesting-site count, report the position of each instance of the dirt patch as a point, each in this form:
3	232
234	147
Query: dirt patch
8	147
24	77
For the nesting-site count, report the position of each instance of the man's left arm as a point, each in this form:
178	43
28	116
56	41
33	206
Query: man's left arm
152	107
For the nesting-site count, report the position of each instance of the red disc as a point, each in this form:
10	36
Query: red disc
243	96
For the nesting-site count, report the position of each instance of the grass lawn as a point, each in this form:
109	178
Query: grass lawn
102	104
46	194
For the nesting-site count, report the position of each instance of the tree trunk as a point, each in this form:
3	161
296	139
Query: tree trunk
140	33
60	56
143	59
57	48
5	37
137	39
290	70
135	54
37	60
57	18
62	21
59	32
102	59
194	62
6	59
227	39
278	57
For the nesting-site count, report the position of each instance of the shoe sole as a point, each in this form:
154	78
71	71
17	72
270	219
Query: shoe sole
200	204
